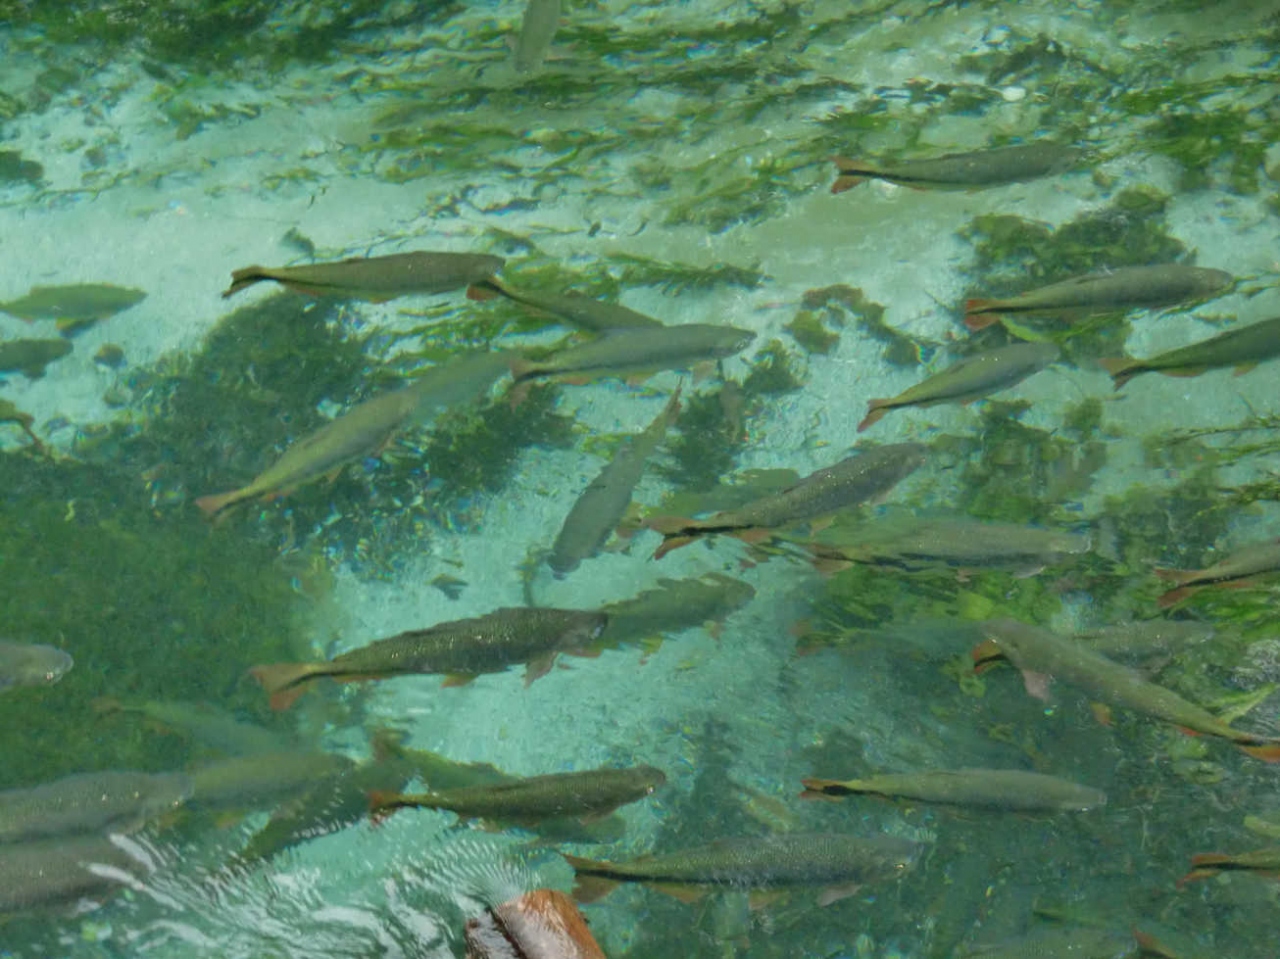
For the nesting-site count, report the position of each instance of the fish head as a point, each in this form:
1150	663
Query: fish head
585	626
55	665
650	778
733	340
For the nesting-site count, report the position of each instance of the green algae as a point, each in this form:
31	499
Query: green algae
708	436
825	311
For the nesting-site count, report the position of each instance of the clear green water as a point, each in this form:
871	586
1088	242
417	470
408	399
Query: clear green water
673	158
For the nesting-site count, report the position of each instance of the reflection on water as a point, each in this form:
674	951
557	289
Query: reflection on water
536	294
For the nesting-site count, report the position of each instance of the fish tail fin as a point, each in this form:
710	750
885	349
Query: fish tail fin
826	789
1174	596
588	888
1195	875
985	655
383	804
1210	859
1179	577
851	173
284	682
211	506
1267	752
522	369
671	542
976	316
484	290
1149	945
1121	368
241	279
105	705
876	409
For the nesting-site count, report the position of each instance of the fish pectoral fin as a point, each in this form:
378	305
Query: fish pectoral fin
1037	684
538	667
588	889
836	893
458	679
1244	368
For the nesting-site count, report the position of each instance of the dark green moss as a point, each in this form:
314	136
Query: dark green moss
807	329
151	604
15	169
223	32
773	372
710	435
835	304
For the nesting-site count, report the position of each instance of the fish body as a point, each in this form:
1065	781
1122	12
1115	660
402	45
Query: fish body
208	725
633	350
587	794
601	506
1039	652
672	606
758	862
462	649
58	872
1061	943
375	278
964	171
537	30
1014	790
89	802
75	305
1243	347
244	782
1239	567
970	378
31	357
851	482
913	544
364	430
1124	288
31	664
584	312
542	924
1264	862
1148	638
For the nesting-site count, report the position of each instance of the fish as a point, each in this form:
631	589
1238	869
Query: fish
31	664
537	30
586	795
1148	638
263	779
965	171
1239	568
31	357
1243	348
583	312
62	872
838	861
597	512
851	482
971	378
635	350
89	802
1071	942
461	649
1260	862
75	306
364	430
918	544
438	772
674	605
325	806
1014	790
541	924
375	278
1112	291
208	725
1040	655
